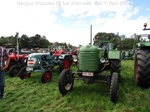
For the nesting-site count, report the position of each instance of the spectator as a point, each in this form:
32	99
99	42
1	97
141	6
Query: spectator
4	57
123	57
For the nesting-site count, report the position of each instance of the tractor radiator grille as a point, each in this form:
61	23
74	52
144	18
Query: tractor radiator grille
88	61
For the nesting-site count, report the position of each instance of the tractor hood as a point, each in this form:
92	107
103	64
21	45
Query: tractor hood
14	56
88	58
89	48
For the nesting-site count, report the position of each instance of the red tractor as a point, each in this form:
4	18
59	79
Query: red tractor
16	63
17	59
61	48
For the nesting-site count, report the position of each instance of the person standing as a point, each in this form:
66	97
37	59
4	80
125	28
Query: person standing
123	55
4	62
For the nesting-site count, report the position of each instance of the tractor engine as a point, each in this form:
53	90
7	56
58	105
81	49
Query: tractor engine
89	59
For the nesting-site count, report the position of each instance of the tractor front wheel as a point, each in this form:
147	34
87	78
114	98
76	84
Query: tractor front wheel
23	73
115	67
46	76
114	87
66	81
14	70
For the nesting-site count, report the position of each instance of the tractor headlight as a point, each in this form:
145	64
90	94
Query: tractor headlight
38	61
25	60
102	60
75	59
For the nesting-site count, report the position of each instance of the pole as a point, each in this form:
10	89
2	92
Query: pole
17	45
91	34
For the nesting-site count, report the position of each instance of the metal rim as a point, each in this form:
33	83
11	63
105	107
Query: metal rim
66	64
68	82
68	86
47	76
26	75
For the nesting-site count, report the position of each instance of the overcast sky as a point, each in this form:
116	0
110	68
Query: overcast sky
69	20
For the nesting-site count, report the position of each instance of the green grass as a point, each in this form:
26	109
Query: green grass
30	95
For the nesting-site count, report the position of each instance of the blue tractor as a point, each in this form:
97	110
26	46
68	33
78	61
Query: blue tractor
44	63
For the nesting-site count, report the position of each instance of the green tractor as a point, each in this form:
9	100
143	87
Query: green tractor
142	61
91	62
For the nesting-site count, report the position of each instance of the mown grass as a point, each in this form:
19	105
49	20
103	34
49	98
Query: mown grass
31	95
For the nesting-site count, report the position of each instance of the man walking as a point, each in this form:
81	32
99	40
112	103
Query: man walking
4	62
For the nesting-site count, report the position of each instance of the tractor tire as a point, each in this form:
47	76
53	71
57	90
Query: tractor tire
114	87
115	66
23	74
64	64
12	63
142	67
46	76
14	70
149	99
66	81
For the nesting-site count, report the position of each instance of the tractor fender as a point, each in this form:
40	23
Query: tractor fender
143	44
114	54
62	56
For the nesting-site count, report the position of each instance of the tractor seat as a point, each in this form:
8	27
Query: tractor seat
44	62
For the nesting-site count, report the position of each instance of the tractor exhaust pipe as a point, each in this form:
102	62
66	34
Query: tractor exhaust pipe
17	34
91	34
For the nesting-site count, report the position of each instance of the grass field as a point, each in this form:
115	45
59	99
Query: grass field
30	95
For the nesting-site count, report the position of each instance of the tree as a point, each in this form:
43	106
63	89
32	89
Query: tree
24	41
107	36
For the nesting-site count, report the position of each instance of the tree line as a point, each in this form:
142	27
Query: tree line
24	41
39	41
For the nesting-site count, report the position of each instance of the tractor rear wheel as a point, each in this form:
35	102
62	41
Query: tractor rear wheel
23	74
12	63
64	64
114	87
66	81
115	67
46	76
142	67
14	70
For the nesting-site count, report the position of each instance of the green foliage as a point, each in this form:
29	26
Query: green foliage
127	44
25	42
36	41
103	36
30	95
39	41
121	41
116	39
2	41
